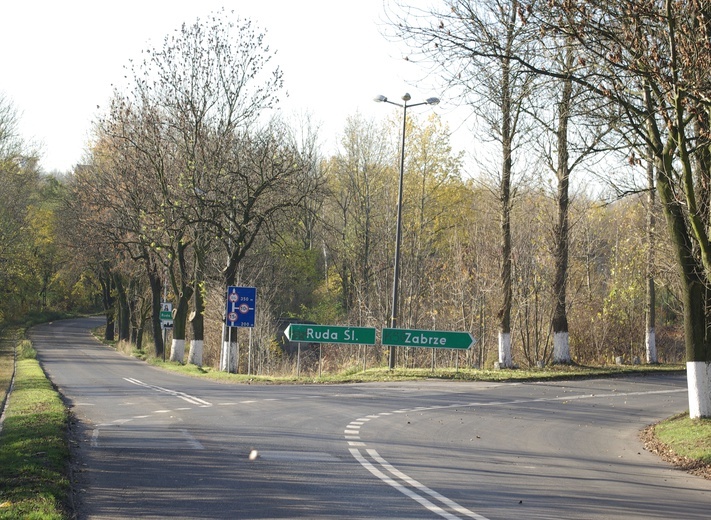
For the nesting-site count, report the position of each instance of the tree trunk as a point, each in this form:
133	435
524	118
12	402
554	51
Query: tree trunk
197	322
123	309
156	298
180	319
561	345
139	335
505	357
107	300
110	330
229	357
182	286
650	340
693	295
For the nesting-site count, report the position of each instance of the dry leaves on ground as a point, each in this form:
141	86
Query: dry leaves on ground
654	445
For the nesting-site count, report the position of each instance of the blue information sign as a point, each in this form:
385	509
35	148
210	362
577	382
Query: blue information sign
240	306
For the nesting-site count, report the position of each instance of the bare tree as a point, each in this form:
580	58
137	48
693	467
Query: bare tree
650	337
20	181
474	47
663	47
186	108
110	206
357	215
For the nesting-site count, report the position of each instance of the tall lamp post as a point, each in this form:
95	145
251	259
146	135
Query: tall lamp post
398	231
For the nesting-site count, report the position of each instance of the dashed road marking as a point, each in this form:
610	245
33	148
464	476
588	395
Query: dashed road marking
390	475
181	395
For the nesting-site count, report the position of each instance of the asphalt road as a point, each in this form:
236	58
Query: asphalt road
151	444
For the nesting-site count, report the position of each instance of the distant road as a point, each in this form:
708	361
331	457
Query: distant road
153	444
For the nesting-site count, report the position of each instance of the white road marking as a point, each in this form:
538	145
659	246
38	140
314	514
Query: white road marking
414	483
181	395
95	438
402	489
192	441
421	487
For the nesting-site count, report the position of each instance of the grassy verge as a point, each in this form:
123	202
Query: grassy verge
6	367
690	438
357	375
682	441
34	450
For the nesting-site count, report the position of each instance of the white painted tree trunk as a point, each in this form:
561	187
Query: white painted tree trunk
228	359
698	377
505	360
223	355
650	344
561	347
195	354
177	350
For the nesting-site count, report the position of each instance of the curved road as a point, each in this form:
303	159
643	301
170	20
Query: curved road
152	444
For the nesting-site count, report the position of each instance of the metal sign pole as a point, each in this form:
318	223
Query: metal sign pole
228	355
298	360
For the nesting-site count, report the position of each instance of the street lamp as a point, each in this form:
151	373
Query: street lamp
398	231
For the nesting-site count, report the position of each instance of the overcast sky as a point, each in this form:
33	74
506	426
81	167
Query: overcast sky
60	58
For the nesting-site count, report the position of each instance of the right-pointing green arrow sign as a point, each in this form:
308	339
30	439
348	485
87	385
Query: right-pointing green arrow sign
427	338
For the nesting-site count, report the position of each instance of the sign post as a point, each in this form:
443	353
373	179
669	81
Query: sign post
166	315
241	306
427	338
240	311
301	333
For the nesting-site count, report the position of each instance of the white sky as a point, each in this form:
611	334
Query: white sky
60	58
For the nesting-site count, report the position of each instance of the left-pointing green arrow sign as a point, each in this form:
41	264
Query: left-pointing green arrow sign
301	333
427	338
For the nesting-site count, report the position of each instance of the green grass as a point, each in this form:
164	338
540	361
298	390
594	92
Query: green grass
688	438
34	450
353	375
6	367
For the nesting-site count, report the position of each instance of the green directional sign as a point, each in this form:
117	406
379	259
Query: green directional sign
427	338
301	333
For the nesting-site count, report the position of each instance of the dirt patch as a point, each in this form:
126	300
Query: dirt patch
654	445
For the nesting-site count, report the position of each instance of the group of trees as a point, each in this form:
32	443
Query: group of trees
640	70
185	173
193	182
35	274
